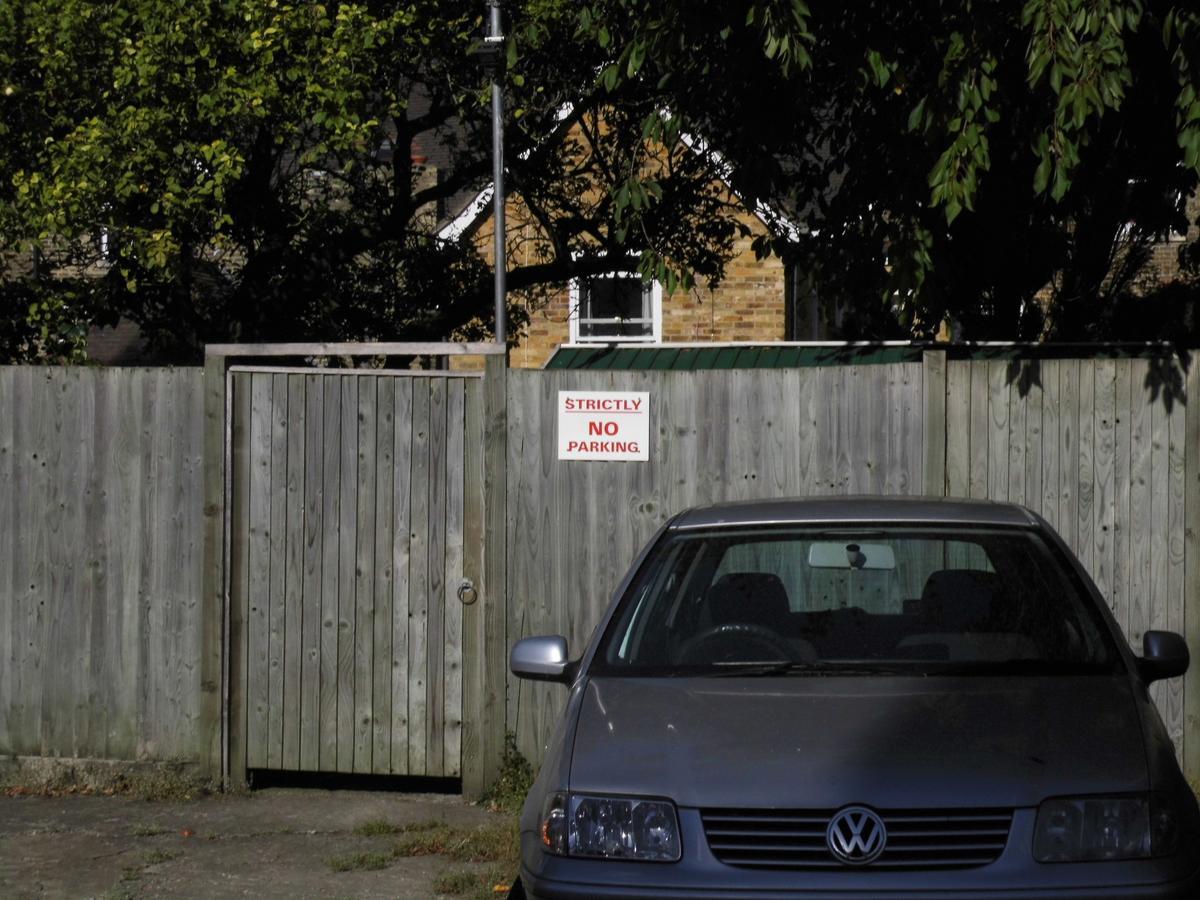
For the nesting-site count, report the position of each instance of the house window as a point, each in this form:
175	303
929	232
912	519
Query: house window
615	309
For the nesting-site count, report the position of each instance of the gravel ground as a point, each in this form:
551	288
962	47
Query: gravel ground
271	843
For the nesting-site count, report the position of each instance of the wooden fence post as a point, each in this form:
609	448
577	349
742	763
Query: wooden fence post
212	726
1191	578
485	638
933	390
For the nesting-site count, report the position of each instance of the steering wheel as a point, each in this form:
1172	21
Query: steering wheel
732	634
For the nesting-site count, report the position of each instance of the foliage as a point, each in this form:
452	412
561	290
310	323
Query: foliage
513	783
238	170
951	159
246	170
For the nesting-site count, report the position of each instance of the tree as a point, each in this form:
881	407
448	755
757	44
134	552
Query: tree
242	170
1002	168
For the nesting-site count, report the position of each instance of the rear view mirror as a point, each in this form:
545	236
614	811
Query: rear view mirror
850	555
1164	655
541	658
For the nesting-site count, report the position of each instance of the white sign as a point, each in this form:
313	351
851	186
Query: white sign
611	425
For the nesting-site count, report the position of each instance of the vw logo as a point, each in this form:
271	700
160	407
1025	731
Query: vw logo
856	836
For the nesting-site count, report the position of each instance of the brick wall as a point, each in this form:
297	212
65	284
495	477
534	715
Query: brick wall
748	305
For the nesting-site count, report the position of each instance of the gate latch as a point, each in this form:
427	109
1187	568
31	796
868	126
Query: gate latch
467	587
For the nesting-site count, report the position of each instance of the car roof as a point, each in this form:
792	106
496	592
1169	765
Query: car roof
857	510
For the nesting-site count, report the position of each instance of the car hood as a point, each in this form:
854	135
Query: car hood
818	743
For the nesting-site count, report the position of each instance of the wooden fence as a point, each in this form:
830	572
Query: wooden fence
1106	449
113	545
102	649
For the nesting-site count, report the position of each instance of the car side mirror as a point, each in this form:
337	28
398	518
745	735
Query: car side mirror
542	658
1164	655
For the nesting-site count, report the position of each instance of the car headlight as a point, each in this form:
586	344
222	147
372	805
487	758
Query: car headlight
628	828
1074	829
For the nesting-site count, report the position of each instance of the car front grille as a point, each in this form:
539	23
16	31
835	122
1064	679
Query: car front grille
916	838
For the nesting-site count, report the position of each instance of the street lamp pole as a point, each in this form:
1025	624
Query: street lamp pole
495	40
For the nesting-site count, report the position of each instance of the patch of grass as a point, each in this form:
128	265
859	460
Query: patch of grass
154	857
160	781
456	882
487	855
516	777
117	893
359	862
148	830
475	883
484	843
378	828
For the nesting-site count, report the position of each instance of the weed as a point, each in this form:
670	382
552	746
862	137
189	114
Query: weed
359	861
377	828
148	830
456	881
117	893
154	857
170	780
516	777
485	843
474	883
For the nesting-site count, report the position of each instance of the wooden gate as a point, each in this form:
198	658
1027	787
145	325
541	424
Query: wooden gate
353	522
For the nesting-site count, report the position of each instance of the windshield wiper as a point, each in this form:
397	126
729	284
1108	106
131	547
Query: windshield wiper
1023	667
817	670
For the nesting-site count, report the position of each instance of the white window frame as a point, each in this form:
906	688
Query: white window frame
575	298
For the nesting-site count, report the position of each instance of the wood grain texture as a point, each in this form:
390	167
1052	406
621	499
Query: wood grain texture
998	431
1051	407
346	577
331	516
1104	477
313	559
1122	531
474	674
259	565
452	663
403	489
1173	598
381	636
958	429
277	609
1084	541
418	582
239	577
435	642
933	417
978	485
101	653
1191	575
1159	539
363	675
295	542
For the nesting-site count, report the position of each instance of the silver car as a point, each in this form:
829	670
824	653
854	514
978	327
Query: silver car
858	698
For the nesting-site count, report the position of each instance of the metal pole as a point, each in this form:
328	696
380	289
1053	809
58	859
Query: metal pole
496	39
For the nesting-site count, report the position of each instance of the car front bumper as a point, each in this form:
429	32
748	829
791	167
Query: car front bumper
700	876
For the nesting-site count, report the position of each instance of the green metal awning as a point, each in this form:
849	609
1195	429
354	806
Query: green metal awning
684	357
728	356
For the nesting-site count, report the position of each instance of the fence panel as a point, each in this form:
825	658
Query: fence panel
100	564
574	527
1085	444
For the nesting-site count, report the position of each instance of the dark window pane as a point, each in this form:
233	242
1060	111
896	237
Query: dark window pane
615	302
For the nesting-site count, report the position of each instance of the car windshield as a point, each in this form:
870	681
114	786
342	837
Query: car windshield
804	600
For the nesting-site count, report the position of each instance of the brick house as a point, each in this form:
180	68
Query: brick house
755	301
